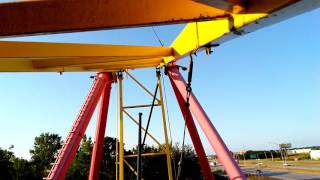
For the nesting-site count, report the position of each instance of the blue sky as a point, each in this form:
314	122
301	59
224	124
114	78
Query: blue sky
259	89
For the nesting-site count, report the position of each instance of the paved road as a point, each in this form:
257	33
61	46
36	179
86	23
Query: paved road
283	175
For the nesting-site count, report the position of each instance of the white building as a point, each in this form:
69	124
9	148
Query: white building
315	154
299	151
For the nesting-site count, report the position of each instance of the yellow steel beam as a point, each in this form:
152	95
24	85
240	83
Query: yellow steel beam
118	68
148	133
87	62
142	86
166	148
258	14
30	17
145	154
165	131
36	56
33	57
117	130
74	64
198	34
140	106
10	49
131	168
121	144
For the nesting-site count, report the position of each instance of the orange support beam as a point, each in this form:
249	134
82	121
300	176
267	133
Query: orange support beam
32	17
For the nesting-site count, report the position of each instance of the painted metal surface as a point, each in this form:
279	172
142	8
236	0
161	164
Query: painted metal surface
97	152
34	17
142	86
208	129
197	144
212	23
72	142
131	168
144	130
165	130
40	56
11	49
197	35
121	144
146	154
227	5
164	147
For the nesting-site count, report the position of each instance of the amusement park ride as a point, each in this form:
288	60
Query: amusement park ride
210	23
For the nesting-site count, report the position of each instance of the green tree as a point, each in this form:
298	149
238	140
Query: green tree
23	169
43	153
7	171
155	167
80	166
190	167
108	166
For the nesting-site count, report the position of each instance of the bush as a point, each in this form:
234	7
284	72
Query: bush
301	156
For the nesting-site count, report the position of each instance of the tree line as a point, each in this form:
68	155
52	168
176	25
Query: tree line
45	150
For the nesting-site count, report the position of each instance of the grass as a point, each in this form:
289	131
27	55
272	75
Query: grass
279	162
253	177
272	165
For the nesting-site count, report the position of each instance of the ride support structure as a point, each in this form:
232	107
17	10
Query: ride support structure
210	24
101	90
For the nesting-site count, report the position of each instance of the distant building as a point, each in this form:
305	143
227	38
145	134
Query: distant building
242	152
299	151
315	154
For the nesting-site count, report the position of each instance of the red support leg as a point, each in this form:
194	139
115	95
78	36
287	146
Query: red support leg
69	149
204	164
97	151
207	127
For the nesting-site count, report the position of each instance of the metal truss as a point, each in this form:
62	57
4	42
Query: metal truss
166	147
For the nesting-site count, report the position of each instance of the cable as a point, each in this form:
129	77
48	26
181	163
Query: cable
180	163
167	109
189	90
158	38
164	87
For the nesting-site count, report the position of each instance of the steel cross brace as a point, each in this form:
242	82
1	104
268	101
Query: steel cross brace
101	86
216	142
